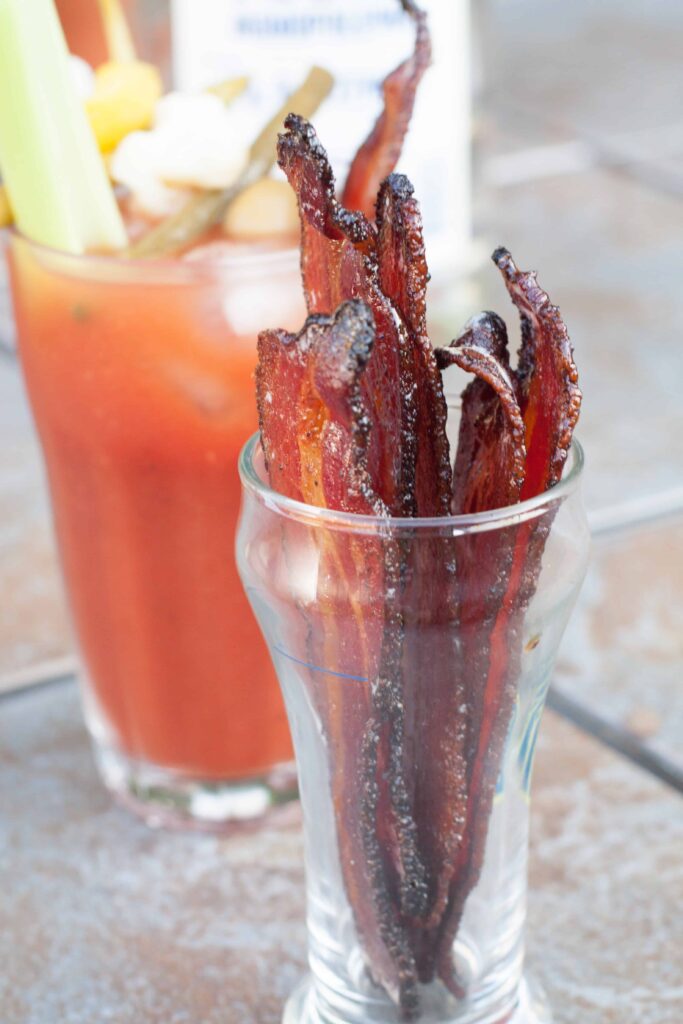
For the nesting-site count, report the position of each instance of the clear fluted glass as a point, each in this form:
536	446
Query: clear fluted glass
308	572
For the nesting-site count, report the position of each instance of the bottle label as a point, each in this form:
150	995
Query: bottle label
274	42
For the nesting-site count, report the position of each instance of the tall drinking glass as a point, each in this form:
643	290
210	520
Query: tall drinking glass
416	804
140	377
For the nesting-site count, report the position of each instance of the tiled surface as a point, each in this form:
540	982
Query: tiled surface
605	931
622	656
103	920
598	68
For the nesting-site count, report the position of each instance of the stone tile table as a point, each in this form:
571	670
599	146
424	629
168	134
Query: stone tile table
103	920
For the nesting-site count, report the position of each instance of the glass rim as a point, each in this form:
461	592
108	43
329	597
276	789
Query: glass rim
510	515
251	256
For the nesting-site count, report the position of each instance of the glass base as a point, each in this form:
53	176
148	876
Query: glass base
167	799
532	1008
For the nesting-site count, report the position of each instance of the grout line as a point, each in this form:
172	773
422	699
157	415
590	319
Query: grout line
643	511
630	154
607	733
35	687
44	674
617	739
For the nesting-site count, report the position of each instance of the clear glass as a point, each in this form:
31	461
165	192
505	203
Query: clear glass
289	557
140	378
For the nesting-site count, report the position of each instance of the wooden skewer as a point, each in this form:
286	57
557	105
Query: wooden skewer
117	32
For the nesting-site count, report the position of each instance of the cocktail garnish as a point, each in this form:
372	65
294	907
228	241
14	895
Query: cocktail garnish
205	210
315	441
53	172
343	257
229	89
117	32
123	101
434	762
549	398
379	154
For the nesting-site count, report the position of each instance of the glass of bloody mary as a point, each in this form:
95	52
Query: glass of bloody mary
140	376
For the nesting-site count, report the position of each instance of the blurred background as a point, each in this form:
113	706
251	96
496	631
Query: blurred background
574	124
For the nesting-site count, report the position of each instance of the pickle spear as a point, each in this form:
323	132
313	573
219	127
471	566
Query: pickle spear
206	209
117	32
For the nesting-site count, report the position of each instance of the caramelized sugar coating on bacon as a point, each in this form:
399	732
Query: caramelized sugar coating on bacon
338	263
546	387
547	378
353	417
379	154
403	278
434	752
314	427
489	471
315	431
490	463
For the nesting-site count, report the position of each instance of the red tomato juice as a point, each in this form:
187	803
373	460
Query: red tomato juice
140	377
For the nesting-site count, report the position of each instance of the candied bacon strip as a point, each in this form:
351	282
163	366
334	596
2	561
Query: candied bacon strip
549	398
403	278
380	152
547	378
490	462
311	408
339	261
433	757
314	429
489	472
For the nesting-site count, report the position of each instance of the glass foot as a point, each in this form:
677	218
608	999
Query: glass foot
167	799
532	1008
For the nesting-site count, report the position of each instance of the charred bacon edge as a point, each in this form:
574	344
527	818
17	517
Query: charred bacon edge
545	346
544	339
401	254
300	154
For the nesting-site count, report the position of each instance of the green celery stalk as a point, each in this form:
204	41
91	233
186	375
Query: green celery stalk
55	177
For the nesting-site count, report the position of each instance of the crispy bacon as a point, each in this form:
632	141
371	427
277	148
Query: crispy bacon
353	417
338	263
547	378
489	471
379	154
314	429
546	385
490	463
315	434
403	278
434	756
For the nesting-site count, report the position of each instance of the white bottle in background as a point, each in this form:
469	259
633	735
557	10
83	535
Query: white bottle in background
359	41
